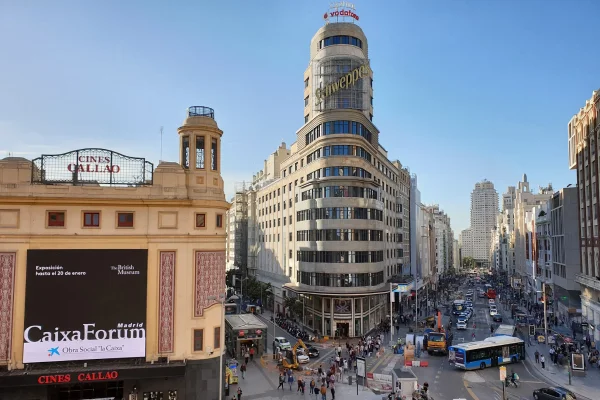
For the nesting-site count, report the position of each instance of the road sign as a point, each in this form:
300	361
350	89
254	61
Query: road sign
502	373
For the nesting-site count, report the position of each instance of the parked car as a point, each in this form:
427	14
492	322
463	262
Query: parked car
553	393
282	343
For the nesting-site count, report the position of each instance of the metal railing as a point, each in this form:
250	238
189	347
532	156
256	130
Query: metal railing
201	111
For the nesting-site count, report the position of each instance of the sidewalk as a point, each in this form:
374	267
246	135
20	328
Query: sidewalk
586	387
261	383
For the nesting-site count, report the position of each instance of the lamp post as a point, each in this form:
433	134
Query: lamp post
221	299
242	288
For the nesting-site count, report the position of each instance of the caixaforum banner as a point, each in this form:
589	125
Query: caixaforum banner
85	305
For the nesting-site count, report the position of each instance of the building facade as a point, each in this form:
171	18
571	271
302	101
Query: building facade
565	256
584	139
125	261
333	215
443	239
477	239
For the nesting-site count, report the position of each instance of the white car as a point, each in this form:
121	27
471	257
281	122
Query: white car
491	302
461	324
493	311
301	357
282	343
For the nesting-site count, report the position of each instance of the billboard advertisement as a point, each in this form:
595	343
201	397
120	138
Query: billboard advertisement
85	305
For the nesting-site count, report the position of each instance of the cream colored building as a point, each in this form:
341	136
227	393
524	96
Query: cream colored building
584	139
174	214
332	210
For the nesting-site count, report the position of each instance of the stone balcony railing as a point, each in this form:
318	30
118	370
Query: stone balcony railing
588	281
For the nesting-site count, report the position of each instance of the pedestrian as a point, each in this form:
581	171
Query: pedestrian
252	353
281	381
543	361
332	388
290	380
537	357
243	369
323	392
239	393
246	356
312	387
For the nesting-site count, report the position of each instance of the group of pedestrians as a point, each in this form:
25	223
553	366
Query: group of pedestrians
248	355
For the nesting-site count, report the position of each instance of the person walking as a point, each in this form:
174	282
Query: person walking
239	393
332	389
313	387
537	357
243	369
290	379
252	351
543	361
323	392
281	381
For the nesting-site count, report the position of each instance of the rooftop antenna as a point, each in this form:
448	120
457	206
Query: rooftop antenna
161	147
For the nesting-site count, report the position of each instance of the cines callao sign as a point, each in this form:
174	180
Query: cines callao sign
345	82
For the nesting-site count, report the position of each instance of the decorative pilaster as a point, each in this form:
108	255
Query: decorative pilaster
166	306
210	279
7	289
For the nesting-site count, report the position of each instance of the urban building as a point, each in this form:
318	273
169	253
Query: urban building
565	257
477	239
524	236
456	256
443	239
583	136
333	212
125	261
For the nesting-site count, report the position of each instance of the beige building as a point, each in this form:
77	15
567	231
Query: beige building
126	261
331	212
584	139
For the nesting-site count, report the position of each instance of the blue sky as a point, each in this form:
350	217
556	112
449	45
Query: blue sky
464	90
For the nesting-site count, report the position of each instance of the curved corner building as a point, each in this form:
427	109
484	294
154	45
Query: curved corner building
332	210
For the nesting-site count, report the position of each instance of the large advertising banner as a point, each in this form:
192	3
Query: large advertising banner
85	305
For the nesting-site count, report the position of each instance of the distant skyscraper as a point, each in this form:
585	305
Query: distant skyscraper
484	209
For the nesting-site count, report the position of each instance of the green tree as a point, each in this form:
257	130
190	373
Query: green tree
293	306
468	263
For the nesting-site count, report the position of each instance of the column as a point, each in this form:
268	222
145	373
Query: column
353	323
323	316
331	321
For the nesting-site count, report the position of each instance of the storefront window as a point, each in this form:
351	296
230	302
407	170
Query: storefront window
366	325
365	304
357	331
342	306
318	323
318	304
327	304
357	306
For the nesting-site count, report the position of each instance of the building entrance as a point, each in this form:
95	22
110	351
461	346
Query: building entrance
343	329
87	391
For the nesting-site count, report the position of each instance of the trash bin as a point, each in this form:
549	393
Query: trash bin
350	380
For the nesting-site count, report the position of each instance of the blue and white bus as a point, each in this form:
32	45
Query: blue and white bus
490	352
459	306
505	330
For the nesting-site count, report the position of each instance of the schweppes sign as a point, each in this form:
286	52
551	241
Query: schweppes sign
344	82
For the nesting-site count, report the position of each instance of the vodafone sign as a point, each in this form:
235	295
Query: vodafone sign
341	9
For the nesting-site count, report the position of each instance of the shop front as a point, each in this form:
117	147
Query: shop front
244	331
114	382
343	316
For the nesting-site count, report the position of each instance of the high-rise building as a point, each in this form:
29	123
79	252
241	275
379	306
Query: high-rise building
332	220
584	139
477	239
443	239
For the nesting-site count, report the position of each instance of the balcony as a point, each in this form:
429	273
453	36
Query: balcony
588	281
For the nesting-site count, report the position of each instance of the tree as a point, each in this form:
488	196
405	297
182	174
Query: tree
293	306
468	262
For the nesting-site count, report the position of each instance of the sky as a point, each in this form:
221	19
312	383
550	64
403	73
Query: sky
464	90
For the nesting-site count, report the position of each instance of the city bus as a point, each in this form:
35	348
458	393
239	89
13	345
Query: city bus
490	352
505	330
458	306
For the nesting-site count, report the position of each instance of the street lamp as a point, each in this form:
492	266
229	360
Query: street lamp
242	288
221	299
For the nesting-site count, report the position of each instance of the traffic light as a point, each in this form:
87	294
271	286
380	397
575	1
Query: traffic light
531	330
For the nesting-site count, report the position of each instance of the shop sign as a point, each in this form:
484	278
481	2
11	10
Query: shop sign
99	166
82	377
345	82
341	9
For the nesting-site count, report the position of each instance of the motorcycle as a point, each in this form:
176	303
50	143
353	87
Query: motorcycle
509	381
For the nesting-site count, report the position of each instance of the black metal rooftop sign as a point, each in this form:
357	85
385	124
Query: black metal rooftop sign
91	166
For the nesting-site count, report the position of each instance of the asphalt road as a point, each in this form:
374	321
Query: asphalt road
448	382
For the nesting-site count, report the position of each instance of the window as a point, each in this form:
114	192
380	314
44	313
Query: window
56	218
217	337
200	152
305	101
198	339
306	118
213	153
185	152
306	82
219	220
91	219
200	220
125	220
